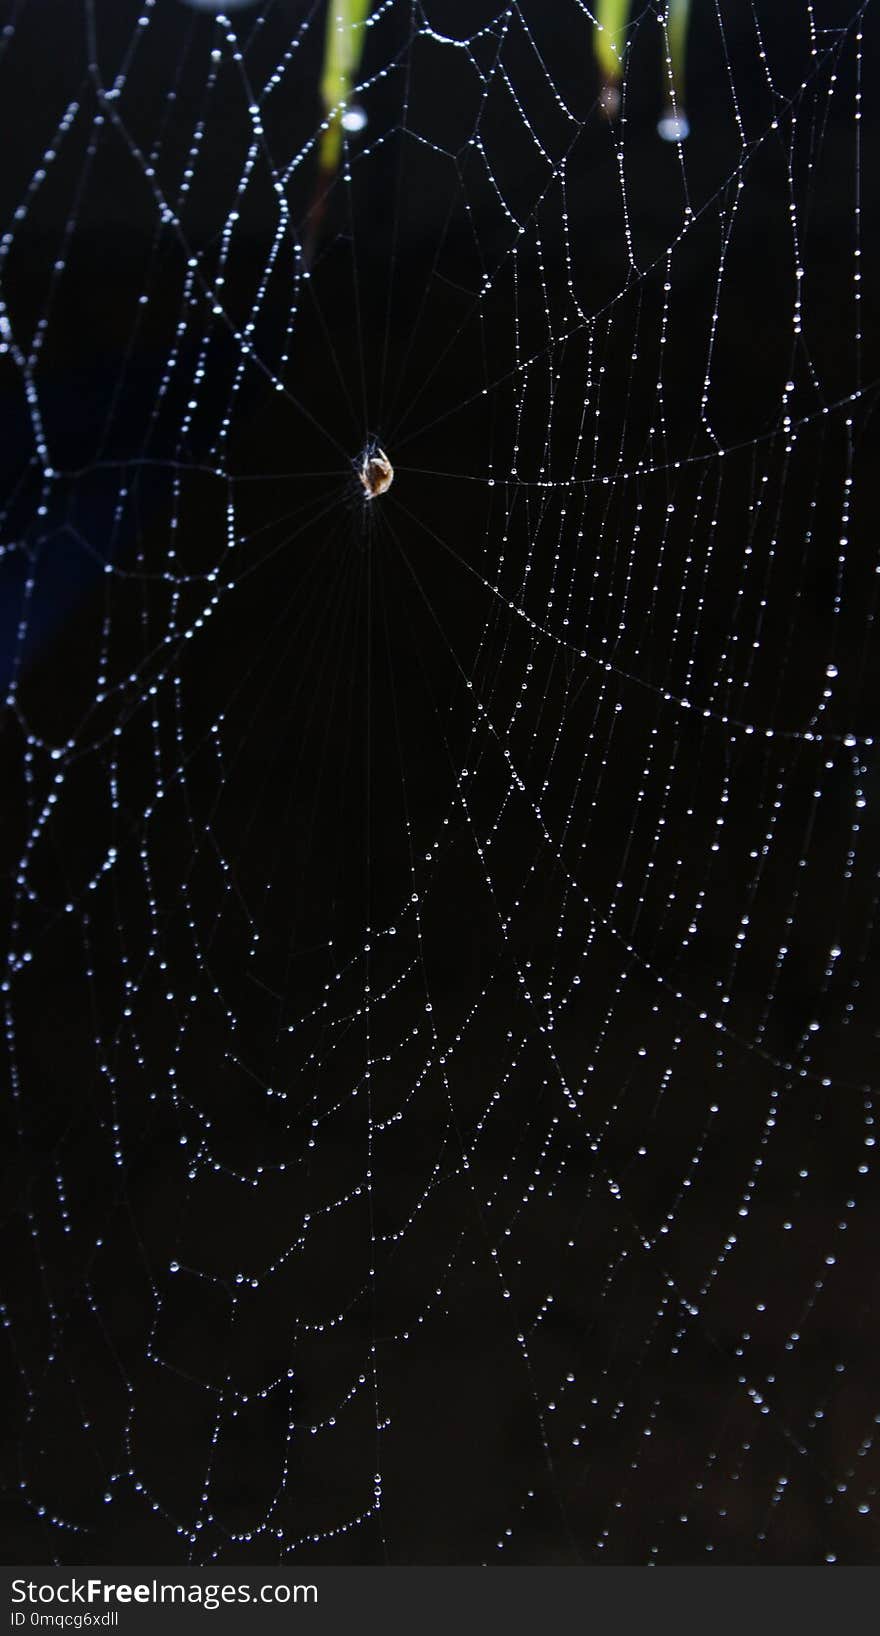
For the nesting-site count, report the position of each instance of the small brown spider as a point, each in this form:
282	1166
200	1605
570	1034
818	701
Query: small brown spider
376	473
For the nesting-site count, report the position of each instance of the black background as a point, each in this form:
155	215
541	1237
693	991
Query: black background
337	659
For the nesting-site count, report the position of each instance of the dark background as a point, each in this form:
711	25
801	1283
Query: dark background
184	1040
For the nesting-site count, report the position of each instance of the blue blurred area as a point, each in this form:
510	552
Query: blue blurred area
59	533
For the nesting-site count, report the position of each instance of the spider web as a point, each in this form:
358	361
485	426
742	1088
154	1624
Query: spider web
440	930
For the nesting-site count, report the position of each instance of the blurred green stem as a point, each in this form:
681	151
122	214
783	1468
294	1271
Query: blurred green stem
676	32
609	38
611	18
343	49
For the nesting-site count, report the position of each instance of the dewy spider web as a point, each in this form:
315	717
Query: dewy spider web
440	966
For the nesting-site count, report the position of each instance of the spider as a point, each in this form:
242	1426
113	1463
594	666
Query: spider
375	472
